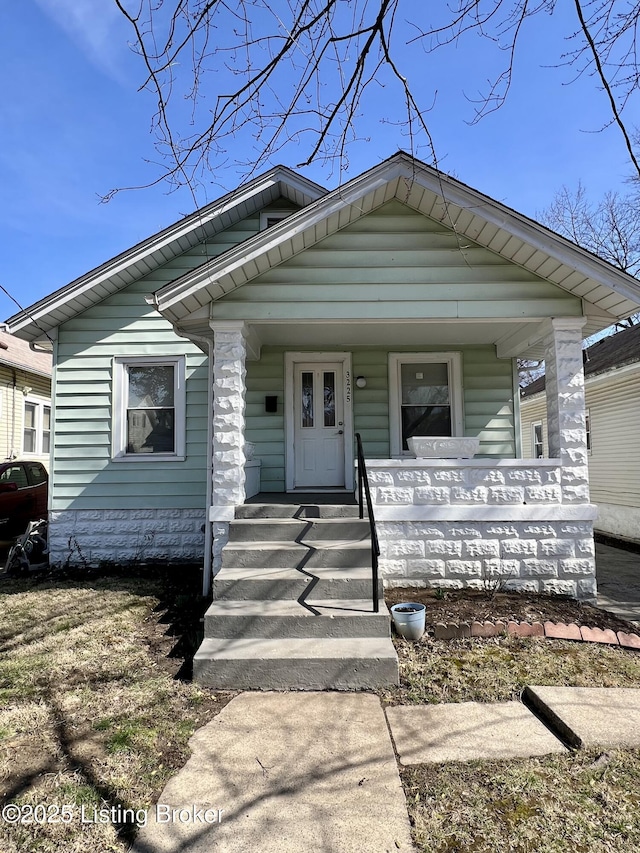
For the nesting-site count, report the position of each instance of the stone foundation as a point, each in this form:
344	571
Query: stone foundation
126	536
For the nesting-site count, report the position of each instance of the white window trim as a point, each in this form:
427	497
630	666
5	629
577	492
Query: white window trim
533	439
273	214
40	404
119	411
454	367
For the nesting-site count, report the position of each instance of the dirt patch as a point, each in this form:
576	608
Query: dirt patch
465	605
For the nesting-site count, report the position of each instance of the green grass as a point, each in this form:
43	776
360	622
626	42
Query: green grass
499	669
91	711
580	802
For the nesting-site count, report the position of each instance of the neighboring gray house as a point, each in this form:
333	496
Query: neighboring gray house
612	395
292	317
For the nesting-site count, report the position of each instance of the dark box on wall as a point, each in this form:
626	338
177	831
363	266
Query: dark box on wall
271	403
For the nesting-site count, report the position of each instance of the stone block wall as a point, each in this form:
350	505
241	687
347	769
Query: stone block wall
535	556
483	523
126	536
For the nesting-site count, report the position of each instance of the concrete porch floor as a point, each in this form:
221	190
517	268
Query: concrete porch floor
342	498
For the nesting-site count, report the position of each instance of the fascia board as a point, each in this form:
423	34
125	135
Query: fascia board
66	295
532	233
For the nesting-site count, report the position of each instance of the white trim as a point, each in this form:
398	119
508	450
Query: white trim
503	514
517	422
483	462
292	358
119	408
533	426
453	361
40	404
239	263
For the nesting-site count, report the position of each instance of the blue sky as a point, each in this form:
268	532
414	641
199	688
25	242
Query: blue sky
74	127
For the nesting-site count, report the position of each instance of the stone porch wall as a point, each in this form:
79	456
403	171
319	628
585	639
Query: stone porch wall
483	523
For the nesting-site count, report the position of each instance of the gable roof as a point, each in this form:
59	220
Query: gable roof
607	293
610	353
17	353
145	257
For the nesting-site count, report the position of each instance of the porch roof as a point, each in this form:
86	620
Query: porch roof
607	293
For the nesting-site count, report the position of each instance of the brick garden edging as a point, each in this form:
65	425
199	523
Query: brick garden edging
552	630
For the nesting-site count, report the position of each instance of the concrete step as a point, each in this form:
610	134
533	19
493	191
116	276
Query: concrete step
296	664
269	584
323	617
296	530
297	511
285	555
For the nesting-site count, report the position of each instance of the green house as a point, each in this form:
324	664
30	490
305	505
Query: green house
238	352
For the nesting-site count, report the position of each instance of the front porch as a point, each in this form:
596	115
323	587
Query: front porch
495	519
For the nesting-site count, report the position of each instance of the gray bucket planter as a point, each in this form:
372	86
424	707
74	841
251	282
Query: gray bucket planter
408	619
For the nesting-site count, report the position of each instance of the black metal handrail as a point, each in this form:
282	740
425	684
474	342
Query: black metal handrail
363	480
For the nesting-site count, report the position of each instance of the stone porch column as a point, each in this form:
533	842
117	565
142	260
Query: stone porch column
229	355
566	423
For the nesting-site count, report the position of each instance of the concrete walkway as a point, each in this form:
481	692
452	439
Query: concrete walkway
291	772
618	576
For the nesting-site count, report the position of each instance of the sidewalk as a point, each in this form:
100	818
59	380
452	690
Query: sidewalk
294	772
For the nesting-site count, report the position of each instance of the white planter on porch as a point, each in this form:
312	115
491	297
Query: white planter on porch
443	447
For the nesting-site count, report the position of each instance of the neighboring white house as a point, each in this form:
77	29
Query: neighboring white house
25	401
293	317
612	399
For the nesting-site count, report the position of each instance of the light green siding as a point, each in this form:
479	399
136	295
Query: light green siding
396	263
124	325
487	400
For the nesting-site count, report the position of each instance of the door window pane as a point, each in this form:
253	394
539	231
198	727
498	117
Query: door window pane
329	398
307	398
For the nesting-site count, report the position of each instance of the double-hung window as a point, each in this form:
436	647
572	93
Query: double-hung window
425	396
149	408
36	427
537	440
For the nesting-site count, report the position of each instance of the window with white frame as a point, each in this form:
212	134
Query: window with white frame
36	427
588	428
149	408
425	391
537	440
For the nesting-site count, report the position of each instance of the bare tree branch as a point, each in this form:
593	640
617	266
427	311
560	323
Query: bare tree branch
301	73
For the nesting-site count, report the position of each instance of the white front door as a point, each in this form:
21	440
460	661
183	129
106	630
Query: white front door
318	432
